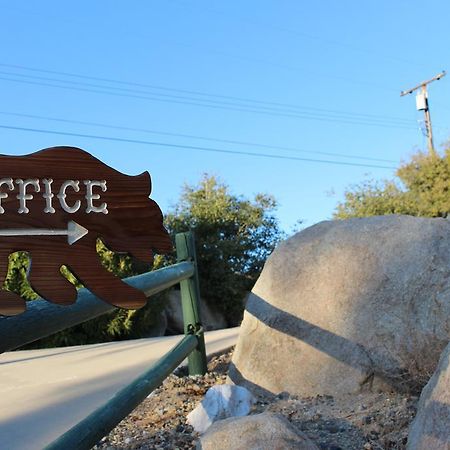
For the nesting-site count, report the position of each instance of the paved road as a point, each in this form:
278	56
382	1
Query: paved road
45	392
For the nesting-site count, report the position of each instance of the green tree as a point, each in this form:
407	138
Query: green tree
234	235
420	188
16	280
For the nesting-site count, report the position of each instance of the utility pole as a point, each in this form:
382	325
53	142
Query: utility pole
422	105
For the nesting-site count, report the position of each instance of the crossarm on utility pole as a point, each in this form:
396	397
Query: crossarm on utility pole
424	83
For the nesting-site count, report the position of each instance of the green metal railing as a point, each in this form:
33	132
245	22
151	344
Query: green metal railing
43	319
98	424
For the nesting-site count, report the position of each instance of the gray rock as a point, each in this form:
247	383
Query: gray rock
430	429
265	431
220	402
211	320
347	305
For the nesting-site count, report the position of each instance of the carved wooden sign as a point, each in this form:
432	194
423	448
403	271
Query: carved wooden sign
55	204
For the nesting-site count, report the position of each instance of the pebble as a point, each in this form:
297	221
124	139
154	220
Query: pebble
367	421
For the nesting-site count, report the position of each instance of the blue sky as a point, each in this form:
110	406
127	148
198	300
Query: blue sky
321	79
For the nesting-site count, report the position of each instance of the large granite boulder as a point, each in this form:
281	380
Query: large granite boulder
430	429
347	305
264	431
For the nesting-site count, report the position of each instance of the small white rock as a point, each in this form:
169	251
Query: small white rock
220	402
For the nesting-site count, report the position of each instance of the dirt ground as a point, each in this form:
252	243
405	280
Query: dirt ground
355	422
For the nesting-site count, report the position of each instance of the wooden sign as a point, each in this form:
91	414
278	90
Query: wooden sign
55	204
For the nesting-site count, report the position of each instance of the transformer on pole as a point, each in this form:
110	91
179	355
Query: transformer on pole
422	105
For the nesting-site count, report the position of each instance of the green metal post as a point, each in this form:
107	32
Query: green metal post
190	298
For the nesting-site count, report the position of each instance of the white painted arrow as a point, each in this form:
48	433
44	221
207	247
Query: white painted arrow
74	232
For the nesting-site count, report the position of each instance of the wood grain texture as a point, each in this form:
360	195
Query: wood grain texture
132	225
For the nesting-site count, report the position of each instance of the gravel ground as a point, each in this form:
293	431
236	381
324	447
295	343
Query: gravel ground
354	422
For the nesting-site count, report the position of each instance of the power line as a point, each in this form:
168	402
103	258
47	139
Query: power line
190	136
352	116
192	147
270	25
190	92
317	117
299	69
257	60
